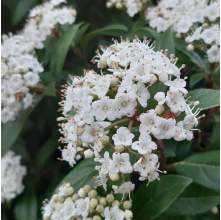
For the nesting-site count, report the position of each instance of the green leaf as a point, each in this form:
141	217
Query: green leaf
197	77
138	24
169	152
21	10
196	199
26	207
150	33
208	98
82	174
166	42
12	129
215	140
114	30
203	168
50	90
46	150
61	50
80	33
153	200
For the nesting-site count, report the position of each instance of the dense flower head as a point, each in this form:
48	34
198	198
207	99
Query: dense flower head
85	204
137	88
19	64
131	6
12	173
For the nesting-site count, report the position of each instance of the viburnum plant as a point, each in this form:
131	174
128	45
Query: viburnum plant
101	110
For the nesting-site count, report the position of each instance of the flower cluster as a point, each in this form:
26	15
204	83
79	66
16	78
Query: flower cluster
19	65
12	174
102	111
131	6
182	14
85	204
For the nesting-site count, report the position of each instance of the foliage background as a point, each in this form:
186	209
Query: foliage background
34	135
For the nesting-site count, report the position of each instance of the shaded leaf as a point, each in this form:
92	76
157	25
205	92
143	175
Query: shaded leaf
138	24
11	129
50	90
197	77
208	98
203	168
196	199
215	140
153	200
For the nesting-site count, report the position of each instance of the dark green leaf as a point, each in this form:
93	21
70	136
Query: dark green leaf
138	24
197	77
11	130
208	98
80	33
215	140
50	90
169	152
166	42
61	50
153	200
46	150
150	33
26	207
195	199
203	168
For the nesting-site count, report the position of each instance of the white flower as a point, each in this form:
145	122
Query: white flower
31	79
125	188
212	11
121	163
69	154
160	98
68	210
213	54
123	136
144	145
208	36
142	94
61	191
28	100
177	85
82	206
113	214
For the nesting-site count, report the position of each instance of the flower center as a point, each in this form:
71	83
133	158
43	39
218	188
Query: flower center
124	103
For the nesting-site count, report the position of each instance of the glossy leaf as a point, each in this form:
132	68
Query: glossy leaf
208	98
153	200
12	129
196	199
26	208
61	50
197	77
203	168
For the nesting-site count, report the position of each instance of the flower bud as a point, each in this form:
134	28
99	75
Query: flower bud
214	210
25	70
92	193
87	188
100	208
114	176
108	5
163	77
61	199
110	198
24	89
187	40
114	81
177	114
91	210
78	142
119	148
103	63
88	153
127	205
60	118
205	25
68	199
105	140
38	18
159	109
75	197
69	191
119	5
153	79
103	201
128	214
178	35
55	197
80	130
46	218
115	203
81	193
190	47
93	203
97	217
73	12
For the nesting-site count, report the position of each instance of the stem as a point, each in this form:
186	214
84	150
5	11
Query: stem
132	152
116	123
162	153
131	124
172	165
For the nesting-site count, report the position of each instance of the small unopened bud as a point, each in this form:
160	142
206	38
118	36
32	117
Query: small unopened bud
187	40
93	203
214	210
119	148
177	114
119	5
87	188
103	63
69	191
88	153
25	70
46	218
114	176
110	198
80	130
55	197
115	203
73	12
163	77
105	139
38	18
127	205
153	79
75	197
68	199
78	142
24	89
108	5
81	193
159	109
92	193
60	118
103	201
97	217
114	81
196	103
205	25
128	214
61	199
91	210
16	70
100	208
190	47
178	35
